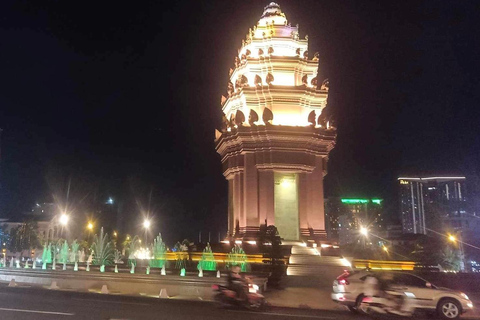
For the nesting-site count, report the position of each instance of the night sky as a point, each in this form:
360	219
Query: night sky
121	99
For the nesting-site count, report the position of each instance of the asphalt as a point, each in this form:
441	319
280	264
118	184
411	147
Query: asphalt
35	303
38	304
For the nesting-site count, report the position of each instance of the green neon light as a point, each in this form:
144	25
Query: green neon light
354	201
362	201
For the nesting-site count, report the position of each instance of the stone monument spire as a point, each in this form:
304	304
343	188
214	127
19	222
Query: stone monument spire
275	140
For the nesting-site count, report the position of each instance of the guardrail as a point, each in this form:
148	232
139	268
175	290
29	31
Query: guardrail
383	264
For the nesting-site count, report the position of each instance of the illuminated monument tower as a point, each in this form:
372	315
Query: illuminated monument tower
275	140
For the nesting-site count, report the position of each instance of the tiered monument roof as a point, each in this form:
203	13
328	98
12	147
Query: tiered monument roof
273	80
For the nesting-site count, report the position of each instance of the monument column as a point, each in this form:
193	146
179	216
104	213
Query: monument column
303	202
315	210
266	200
231	207
238	213
250	190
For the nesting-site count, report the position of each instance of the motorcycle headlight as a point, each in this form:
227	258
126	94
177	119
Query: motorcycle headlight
464	296
256	287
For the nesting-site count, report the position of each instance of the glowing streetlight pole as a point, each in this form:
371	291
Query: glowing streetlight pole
146	225
63	219
364	233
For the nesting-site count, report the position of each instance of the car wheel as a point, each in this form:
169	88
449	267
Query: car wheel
449	309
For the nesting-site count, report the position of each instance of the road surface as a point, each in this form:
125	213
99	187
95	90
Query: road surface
40	304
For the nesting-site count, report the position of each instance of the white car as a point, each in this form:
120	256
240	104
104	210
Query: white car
348	290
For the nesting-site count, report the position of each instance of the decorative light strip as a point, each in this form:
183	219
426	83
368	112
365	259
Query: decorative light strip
363	201
431	178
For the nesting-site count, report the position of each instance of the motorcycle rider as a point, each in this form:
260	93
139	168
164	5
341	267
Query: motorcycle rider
237	283
399	303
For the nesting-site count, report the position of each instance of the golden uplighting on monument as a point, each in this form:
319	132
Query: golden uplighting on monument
277	132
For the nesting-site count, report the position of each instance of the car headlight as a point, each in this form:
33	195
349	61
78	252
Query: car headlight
255	287
464	296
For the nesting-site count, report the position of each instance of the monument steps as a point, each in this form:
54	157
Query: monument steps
308	268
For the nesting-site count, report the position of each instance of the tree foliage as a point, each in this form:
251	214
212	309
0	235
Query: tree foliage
24	237
434	251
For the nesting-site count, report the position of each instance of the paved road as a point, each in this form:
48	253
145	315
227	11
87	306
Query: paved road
40	304
28	303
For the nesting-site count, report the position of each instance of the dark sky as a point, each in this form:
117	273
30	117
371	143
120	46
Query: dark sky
121	99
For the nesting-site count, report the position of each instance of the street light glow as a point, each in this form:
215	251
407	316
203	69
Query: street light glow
146	224
385	249
90	226
452	238
364	231
64	219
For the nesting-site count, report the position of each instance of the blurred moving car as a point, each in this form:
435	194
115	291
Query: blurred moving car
348	290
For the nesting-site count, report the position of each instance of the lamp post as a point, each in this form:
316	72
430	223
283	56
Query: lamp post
89	228
63	219
453	239
364	233
146	225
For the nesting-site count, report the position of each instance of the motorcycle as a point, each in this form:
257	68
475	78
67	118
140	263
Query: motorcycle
392	303
228	298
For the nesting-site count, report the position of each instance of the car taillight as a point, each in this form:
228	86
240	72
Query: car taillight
343	282
214	287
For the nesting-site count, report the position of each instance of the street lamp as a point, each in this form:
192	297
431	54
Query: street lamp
90	228
453	239
146	225
364	231
63	219
385	249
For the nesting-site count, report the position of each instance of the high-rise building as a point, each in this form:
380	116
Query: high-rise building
346	216
276	136
435	204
